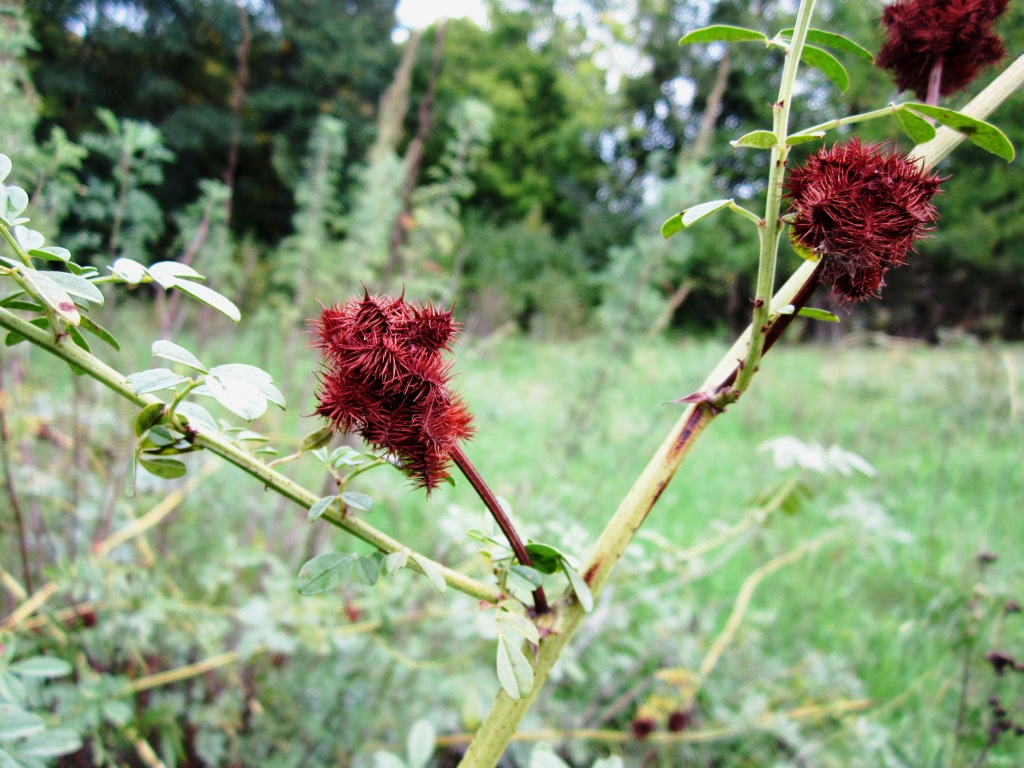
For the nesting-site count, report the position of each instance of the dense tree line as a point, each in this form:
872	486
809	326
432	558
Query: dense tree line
556	204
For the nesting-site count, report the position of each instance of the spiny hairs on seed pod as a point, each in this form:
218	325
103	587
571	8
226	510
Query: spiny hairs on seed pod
385	378
860	207
952	38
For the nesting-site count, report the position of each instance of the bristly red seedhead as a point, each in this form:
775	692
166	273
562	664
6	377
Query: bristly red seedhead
385	379
954	34
860	207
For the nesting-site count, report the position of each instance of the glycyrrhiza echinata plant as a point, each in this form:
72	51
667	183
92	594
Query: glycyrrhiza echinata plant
853	211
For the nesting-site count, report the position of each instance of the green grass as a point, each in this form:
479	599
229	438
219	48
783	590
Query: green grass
564	428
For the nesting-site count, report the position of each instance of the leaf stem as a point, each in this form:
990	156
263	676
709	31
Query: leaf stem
286	487
830	125
6	229
490	500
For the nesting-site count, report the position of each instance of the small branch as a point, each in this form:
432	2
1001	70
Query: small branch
830	125
184	673
809	712
487	496
743	599
146	753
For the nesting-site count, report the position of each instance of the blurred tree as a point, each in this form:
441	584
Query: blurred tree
221	82
550	106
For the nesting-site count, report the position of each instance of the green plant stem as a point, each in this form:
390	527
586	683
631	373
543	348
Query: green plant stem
498	728
772	225
66	350
830	125
178	397
8	234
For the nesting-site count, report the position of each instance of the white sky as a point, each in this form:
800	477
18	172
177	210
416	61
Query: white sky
417	14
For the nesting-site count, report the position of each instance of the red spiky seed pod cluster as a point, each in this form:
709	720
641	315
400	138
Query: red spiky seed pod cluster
860	207
956	35
385	379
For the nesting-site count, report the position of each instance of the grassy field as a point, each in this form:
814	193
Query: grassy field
874	605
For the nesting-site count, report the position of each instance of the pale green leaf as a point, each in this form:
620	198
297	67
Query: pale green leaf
514	671
163	466
834	41
321	506
395	561
367	571
827	64
15	201
198	417
51	253
985	135
509	620
803	138
529	575
148	417
756	140
7	761
431	571
818	314
917	129
11	688
209	297
579	586
52	294
76	286
168	350
16	723
317	439
154	380
41	666
239	397
672	225
52	743
28	239
5	167
129	270
324	572
695	213
98	330
722	33
167	273
359	501
421	744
